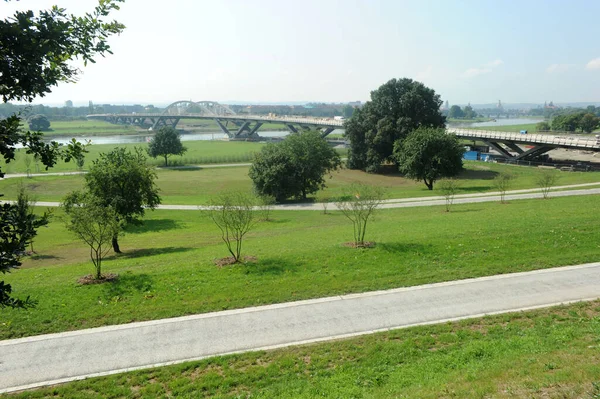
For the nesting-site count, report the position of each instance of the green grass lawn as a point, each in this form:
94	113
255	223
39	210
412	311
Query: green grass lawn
199	152
88	128
167	266
211	125
198	186
550	353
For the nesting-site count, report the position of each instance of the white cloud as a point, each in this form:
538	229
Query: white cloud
494	63
424	74
482	70
593	64
559	68
469	73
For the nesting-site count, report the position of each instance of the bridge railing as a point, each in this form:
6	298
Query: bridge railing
300	121
591	143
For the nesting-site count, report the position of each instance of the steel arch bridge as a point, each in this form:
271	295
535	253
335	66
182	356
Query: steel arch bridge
243	126
235	126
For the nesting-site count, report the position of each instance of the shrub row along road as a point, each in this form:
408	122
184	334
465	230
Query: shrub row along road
54	358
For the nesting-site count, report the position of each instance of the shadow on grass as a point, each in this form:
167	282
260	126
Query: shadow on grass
271	266
474	189
276	221
128	284
154	225
138	253
42	257
452	210
182	168
478	175
399	247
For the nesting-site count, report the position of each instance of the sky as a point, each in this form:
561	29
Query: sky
276	51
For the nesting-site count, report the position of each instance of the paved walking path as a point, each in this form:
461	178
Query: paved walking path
55	358
403	202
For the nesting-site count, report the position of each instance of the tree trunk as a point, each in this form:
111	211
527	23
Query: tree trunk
429	184
115	244
166	161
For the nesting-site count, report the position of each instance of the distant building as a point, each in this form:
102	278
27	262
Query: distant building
69	104
550	105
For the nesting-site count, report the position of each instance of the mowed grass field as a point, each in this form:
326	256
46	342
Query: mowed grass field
197	186
211	125
550	353
198	152
167	268
84	127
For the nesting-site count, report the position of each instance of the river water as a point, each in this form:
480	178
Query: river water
500	122
218	135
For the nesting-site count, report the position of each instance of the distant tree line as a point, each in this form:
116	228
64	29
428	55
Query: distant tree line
585	122
456	112
71	113
550	112
318	110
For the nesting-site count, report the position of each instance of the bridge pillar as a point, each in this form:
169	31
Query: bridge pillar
165	121
254	130
534	152
223	128
500	149
241	129
291	127
326	131
514	147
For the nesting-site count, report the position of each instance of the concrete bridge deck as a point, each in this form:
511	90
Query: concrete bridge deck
510	145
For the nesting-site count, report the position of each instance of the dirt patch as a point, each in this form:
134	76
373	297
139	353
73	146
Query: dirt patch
230	260
90	279
366	244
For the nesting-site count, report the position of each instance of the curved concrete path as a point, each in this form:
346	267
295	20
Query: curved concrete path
403	202
55	358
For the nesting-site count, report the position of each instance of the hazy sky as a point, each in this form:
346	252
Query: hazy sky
339	50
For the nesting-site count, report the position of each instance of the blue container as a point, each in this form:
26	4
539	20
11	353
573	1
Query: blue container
471	155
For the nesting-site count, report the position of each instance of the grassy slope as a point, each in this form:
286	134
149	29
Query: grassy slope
547	353
167	268
198	152
197	186
89	128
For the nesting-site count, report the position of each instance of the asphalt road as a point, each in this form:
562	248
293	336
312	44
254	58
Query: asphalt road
54	358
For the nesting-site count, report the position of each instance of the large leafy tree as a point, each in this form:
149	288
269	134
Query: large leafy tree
589	122
429	154
121	179
36	51
396	108
294	167
38	122
165	143
456	112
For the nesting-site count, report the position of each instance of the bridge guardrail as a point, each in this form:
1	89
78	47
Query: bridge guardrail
528	138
